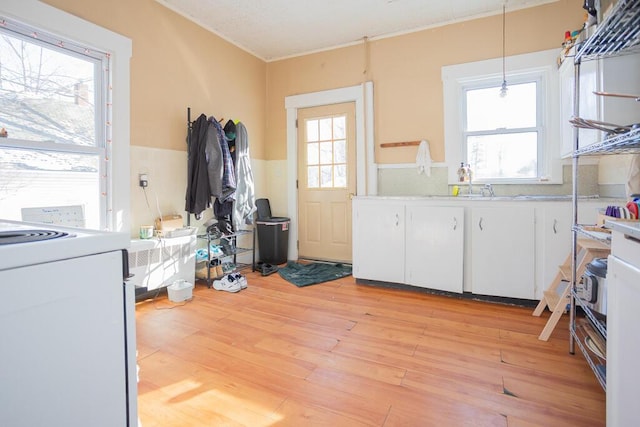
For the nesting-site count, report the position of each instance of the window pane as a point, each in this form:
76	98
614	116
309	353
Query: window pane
313	156
340	178
504	155
312	130
325	129
26	177
313	179
339	124
326	153
46	94
486	110
326	180
340	151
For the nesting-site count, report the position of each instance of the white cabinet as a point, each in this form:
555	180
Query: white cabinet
554	234
378	240
434	247
503	251
623	330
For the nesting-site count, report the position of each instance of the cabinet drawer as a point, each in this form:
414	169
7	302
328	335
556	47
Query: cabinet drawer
626	248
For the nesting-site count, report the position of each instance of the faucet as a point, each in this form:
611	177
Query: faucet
489	189
469	175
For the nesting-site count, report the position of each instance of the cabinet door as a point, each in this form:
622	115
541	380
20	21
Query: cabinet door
554	224
378	240
502	251
435	247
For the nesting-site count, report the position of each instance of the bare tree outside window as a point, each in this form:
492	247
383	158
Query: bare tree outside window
54	147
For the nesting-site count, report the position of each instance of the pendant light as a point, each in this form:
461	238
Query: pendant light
503	88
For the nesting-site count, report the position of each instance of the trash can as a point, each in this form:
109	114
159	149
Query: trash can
273	234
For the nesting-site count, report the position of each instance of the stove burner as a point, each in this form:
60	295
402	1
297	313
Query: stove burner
25	236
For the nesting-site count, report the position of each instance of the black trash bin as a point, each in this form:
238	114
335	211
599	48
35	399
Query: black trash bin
273	234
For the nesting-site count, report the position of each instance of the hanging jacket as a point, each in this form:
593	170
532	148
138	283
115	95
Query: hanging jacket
214	161
198	197
228	172
245	204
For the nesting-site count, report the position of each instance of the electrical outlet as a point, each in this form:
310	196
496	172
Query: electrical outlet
143	180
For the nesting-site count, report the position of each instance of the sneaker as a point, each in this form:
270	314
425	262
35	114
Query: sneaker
227	285
240	279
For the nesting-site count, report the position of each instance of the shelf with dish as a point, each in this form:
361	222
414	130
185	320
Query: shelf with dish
592	344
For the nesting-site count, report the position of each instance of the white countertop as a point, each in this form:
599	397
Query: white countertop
628	228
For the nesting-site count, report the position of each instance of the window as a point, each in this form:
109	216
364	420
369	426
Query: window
502	134
508	140
326	152
53	106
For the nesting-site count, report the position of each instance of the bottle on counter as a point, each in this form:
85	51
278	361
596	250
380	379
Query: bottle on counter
462	172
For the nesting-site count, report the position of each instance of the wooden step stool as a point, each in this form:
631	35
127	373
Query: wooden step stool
557	295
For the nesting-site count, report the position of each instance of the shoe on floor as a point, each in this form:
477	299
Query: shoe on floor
237	277
226	285
268	269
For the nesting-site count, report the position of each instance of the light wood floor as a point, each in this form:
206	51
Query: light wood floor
344	354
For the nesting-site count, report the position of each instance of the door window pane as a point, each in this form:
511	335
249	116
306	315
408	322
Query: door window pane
339	127
325	129
340	151
312	130
326	153
340	178
326	147
326	178
313	179
313	154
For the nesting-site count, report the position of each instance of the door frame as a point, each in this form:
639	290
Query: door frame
366	168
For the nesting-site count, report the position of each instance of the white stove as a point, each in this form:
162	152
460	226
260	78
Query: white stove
67	328
23	243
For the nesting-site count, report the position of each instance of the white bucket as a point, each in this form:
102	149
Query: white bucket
180	290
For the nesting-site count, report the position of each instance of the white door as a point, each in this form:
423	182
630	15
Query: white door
503	251
326	181
435	247
378	243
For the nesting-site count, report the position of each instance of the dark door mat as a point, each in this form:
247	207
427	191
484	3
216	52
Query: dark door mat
310	274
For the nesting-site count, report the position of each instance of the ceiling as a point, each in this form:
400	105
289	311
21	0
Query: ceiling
276	29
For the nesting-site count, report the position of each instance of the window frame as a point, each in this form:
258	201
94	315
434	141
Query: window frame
53	21
540	66
100	62
496	82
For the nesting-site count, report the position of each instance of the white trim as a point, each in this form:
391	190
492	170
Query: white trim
407	166
455	77
362	95
50	19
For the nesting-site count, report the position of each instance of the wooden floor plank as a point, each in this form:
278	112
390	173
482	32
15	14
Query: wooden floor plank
342	353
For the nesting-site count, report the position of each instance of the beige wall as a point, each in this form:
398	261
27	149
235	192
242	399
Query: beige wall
406	72
177	64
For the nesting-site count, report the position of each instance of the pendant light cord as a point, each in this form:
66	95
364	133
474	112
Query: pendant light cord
504	12
503	88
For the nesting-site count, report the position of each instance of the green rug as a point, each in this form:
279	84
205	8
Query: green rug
310	274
